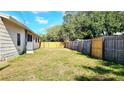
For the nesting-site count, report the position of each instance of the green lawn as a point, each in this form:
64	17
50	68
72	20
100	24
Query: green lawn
59	64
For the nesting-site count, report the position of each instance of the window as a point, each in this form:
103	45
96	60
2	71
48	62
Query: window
18	39
29	37
35	39
38	39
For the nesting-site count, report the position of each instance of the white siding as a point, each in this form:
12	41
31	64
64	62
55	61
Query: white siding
36	44
8	36
0	39
8	39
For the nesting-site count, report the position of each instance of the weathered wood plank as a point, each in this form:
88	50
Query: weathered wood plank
114	49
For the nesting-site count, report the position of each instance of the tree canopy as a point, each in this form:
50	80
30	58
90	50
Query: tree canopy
85	25
52	34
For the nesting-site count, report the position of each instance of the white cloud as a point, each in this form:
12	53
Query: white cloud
37	12
41	20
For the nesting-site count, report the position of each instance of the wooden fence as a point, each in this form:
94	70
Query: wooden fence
97	47
86	47
52	44
109	48
114	48
80	45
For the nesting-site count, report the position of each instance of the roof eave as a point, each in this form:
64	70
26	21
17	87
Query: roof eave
17	22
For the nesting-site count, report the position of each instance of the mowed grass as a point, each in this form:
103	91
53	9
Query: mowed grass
59	64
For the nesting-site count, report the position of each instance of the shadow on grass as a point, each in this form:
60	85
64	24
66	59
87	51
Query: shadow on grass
99	77
99	70
119	73
94	78
112	65
3	67
86	55
100	74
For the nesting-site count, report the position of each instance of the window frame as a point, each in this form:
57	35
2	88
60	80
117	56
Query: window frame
18	39
29	39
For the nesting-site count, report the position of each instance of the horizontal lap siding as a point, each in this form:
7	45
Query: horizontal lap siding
1	28
13	29
97	47
114	49
7	48
86	47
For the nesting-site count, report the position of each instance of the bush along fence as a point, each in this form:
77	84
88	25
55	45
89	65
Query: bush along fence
108	48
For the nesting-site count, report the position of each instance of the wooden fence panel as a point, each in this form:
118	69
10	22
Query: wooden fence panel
114	49
67	44
97	47
80	46
52	44
76	45
72	45
86	46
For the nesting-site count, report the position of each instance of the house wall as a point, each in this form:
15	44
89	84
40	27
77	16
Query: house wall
35	44
8	32
32	45
1	26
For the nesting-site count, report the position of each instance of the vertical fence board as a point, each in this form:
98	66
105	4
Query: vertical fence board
86	46
80	46
114	49
52	44
110	47
97	47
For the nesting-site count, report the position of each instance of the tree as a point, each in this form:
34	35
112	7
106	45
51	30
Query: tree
86	25
52	34
79	25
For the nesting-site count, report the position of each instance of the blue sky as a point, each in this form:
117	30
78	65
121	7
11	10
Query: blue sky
36	20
